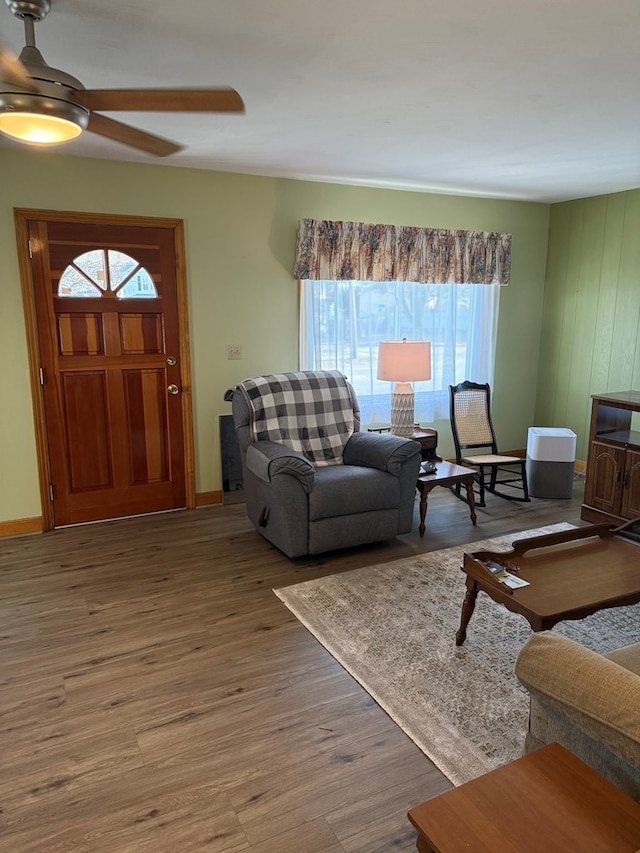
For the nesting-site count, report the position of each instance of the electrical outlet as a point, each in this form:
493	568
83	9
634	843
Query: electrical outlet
234	351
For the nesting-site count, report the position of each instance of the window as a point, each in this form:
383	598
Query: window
342	322
106	272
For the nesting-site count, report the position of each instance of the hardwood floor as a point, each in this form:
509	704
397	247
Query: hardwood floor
157	696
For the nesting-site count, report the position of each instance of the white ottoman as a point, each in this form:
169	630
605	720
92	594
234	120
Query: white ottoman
551	453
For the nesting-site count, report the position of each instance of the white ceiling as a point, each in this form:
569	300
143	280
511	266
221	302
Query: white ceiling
536	100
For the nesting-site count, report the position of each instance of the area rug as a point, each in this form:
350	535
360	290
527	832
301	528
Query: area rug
392	627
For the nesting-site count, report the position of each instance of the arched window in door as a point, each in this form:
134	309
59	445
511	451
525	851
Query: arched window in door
106	272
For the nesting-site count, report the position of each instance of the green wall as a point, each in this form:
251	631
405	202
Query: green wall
589	341
240	236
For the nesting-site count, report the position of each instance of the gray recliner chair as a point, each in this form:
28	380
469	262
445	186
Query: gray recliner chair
313	482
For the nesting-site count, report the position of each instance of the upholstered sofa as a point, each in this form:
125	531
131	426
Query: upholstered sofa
313	481
588	702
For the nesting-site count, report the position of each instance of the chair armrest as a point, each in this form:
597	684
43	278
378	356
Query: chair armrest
267	459
383	451
599	696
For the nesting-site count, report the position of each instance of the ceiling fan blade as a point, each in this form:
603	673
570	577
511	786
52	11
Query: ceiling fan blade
12	71
162	100
127	135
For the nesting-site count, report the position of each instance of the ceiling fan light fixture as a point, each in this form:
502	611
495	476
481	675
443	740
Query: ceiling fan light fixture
40	120
48	106
38	129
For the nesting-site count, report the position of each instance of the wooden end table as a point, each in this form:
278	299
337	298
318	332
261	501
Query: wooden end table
548	800
428	439
447	474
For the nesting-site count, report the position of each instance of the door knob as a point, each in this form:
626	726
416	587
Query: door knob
173	389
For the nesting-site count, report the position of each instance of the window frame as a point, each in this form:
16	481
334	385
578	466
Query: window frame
448	365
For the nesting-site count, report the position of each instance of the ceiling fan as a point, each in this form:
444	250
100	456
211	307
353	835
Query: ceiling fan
43	105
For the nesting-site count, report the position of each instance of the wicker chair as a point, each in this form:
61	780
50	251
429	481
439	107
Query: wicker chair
472	428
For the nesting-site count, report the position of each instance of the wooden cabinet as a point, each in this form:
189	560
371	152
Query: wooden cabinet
631	485
612	486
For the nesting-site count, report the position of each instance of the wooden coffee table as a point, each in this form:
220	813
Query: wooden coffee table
447	474
546	801
571	574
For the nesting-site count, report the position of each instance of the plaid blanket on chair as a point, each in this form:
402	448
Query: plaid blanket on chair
309	411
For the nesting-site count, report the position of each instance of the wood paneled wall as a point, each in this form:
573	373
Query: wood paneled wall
591	315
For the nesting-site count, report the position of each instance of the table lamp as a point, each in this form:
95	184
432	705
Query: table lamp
403	362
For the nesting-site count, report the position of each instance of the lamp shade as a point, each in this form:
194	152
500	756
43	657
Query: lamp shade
404	361
40	119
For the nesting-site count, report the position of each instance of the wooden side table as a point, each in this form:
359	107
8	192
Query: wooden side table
548	800
428	439
447	474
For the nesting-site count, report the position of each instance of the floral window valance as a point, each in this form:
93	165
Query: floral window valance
356	251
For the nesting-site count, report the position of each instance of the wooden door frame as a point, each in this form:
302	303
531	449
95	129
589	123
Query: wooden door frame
22	217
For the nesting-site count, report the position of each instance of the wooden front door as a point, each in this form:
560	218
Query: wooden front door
112	364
